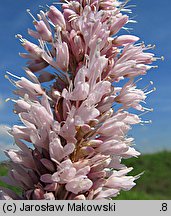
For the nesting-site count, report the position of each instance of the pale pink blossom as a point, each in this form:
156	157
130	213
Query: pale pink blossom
130	96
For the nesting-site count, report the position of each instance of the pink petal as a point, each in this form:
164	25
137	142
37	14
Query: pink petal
79	184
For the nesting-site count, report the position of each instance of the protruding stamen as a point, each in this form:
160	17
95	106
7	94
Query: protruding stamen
43	7
44	46
10	80
151	110
158	58
130	6
13	75
18	36
147	86
132	21
7	99
148	109
138	80
59	3
154	89
123	5
146	122
127	29
29	12
47	6
126	10
139	175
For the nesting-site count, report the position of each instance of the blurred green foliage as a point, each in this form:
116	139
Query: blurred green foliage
154	184
3	172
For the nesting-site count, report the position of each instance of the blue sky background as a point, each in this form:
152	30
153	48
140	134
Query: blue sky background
153	27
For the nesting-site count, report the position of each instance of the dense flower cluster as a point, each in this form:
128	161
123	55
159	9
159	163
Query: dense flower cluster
77	128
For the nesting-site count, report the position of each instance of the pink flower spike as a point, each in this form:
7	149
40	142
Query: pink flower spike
76	115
